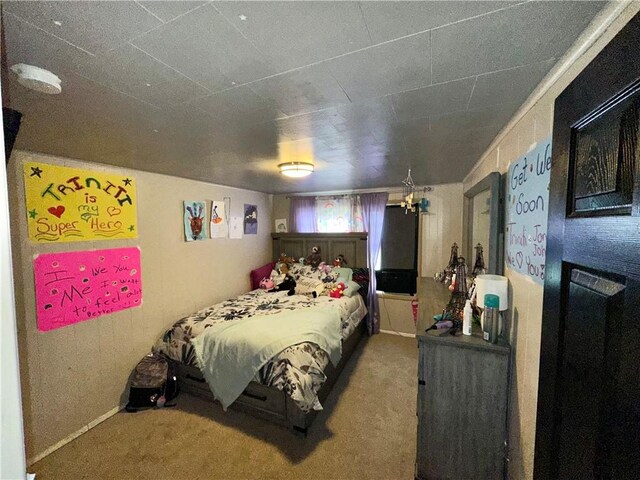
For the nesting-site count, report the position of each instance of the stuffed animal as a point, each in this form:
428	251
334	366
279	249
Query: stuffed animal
289	284
324	268
284	258
314	258
267	284
337	291
339	261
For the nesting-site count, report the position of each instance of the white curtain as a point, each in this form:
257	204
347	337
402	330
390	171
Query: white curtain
339	214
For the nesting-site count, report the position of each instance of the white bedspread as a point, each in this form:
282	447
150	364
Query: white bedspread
231	353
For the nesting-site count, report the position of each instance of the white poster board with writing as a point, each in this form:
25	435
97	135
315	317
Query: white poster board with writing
527	210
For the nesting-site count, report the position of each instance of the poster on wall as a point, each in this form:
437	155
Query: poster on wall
219	223
75	286
71	204
527	211
250	219
195	227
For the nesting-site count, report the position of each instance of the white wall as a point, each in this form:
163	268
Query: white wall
396	315
12	454
76	376
535	125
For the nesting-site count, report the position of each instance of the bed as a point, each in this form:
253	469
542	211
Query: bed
290	388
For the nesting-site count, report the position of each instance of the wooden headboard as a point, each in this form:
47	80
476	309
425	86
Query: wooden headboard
353	246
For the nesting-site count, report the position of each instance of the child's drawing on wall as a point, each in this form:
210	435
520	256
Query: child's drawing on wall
195	227
250	219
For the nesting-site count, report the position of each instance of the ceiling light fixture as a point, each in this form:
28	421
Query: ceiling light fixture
38	79
296	169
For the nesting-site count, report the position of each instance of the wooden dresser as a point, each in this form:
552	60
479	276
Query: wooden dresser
462	399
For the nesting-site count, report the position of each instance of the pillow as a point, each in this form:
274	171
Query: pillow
352	288
259	273
309	286
343	272
297	269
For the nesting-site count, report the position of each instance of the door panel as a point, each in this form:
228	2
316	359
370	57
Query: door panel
605	148
593	307
588	418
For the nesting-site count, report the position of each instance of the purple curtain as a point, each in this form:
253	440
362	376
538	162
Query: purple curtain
303	214
373	207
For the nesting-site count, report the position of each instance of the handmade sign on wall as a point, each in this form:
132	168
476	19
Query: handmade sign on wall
195	226
219	223
527	211
72	204
75	286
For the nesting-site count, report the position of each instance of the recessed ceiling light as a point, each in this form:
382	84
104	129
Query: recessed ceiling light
56	22
242	17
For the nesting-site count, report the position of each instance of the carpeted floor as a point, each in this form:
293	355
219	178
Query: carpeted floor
367	430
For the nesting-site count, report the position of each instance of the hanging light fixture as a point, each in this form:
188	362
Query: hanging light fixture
408	189
296	169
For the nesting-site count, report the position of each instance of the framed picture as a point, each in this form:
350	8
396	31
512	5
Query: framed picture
281	225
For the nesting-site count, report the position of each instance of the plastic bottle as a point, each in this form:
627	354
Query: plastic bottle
491	318
466	318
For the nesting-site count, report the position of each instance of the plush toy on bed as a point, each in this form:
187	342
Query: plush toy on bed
339	261
337	291
284	258
267	284
314	258
289	283
324	268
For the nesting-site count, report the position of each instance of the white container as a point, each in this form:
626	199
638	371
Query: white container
466	318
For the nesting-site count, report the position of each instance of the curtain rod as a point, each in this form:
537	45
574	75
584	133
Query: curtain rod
421	189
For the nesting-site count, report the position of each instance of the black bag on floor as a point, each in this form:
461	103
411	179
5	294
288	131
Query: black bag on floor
154	384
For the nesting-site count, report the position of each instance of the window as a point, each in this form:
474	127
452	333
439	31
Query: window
339	214
398	265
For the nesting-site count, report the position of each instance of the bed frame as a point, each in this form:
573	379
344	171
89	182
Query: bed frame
269	403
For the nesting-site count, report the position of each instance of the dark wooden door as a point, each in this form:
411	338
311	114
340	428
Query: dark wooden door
588	423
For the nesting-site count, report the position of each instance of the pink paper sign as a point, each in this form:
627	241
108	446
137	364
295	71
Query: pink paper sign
75	286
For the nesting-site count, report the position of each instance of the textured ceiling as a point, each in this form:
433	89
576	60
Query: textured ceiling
218	91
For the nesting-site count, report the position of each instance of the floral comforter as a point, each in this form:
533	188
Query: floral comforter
299	369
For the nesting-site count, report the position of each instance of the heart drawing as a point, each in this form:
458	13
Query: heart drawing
113	211
56	211
519	258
